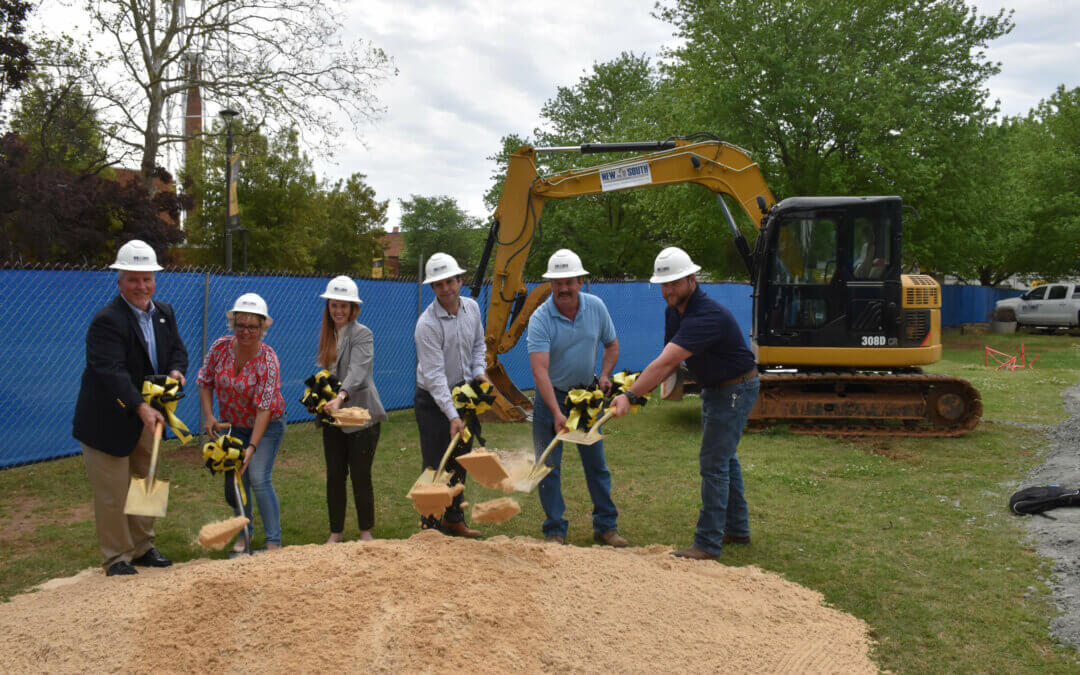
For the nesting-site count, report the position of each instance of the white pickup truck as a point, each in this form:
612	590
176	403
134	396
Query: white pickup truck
1045	305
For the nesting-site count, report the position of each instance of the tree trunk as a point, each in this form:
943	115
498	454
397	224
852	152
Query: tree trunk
152	136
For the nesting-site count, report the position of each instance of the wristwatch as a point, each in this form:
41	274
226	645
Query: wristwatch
634	398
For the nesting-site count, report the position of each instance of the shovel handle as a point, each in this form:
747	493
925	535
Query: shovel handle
544	455
600	422
249	529
446	456
159	428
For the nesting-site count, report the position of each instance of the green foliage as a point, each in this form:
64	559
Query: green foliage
1054	176
437	224
60	126
16	63
294	221
354	221
835	97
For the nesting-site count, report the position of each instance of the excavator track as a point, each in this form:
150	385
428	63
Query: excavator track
867	404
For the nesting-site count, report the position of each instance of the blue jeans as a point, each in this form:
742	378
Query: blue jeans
724	411
257	478
597	476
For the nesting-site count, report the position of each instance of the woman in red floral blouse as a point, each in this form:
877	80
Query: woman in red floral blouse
245	374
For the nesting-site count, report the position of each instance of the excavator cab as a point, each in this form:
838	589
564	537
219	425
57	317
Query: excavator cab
830	275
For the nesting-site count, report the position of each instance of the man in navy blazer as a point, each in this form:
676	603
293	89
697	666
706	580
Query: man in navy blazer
129	339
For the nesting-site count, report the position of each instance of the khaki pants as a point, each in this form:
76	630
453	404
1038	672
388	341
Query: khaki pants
121	537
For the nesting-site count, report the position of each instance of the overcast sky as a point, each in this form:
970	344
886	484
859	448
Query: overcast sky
473	71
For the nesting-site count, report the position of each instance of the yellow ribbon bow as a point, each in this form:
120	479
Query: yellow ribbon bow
472	399
321	388
585	404
161	393
621	383
225	454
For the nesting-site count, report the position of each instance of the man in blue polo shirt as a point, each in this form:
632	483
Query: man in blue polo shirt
564	334
704	334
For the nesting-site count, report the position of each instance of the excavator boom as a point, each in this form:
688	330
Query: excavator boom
720	167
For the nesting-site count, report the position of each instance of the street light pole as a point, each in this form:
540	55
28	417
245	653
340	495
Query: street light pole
232	211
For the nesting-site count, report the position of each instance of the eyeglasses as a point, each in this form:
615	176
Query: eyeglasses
247	327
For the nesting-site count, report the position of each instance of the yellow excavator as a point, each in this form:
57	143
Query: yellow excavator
839	332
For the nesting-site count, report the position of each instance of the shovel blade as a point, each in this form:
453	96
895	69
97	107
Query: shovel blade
528	477
428	478
147	500
580	437
431	499
486	469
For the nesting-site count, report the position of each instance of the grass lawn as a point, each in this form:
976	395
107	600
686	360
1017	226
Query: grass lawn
910	535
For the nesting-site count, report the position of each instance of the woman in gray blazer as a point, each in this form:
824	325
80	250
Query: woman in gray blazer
346	348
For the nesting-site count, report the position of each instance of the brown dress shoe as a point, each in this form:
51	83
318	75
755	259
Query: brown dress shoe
694	553
460	529
611	538
734	539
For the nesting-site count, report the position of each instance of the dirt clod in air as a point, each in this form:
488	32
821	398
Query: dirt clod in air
496	510
216	535
385	606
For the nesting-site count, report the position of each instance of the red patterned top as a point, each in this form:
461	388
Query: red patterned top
257	387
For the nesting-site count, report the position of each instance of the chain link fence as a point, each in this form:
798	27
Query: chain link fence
45	311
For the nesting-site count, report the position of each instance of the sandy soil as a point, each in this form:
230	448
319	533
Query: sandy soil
496	510
433	604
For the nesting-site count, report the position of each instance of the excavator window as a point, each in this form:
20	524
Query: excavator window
871	247
801	270
805	252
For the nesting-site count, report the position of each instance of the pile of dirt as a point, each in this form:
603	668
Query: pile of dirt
432	603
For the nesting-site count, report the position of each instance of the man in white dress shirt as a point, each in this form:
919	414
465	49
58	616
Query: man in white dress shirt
449	350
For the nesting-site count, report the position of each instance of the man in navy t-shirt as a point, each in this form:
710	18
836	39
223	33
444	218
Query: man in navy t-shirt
704	334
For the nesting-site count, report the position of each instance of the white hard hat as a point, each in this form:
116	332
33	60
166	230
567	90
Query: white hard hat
564	264
136	256
441	266
342	288
250	303
671	265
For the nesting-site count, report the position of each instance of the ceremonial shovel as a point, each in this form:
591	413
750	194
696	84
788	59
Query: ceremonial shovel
149	496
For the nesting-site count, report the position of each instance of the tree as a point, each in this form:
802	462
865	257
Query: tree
608	104
51	214
1053	180
437	224
840	97
354	221
60	126
836	97
281	62
281	204
16	64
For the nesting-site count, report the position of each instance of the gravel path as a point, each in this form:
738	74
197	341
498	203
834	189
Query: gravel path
1059	539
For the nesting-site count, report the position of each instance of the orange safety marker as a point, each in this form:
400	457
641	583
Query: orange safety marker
1008	361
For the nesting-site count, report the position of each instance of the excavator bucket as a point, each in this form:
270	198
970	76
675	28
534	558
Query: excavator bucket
510	404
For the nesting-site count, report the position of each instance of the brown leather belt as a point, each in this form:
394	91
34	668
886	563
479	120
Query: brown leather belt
752	373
